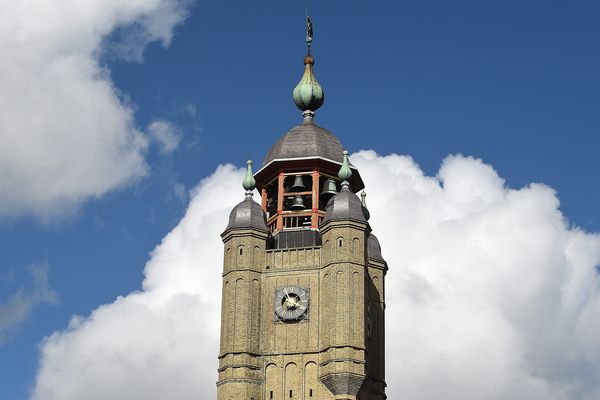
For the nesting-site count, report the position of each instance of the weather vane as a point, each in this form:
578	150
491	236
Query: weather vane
309	31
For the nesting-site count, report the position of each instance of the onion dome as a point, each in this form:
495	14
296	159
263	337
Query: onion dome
308	94
248	214
374	249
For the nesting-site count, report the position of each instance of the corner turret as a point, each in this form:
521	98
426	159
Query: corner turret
248	214
245	239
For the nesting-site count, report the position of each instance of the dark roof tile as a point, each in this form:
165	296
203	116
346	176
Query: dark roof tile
305	141
247	215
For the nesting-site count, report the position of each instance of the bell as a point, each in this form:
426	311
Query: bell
298	203
329	188
298	185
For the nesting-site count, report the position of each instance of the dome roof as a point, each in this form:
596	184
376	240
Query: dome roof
306	141
247	215
373	248
344	206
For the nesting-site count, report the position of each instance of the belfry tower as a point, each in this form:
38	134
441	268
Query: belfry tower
303	276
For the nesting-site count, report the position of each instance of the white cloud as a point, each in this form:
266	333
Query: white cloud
487	285
490	294
162	342
18	307
166	135
66	133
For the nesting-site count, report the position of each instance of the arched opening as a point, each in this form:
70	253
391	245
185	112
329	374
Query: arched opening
293	381
311	380
272	382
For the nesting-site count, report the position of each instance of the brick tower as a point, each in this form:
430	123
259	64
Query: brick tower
303	277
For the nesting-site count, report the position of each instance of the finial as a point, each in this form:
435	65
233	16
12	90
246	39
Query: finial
345	171
308	94
366	212
249	183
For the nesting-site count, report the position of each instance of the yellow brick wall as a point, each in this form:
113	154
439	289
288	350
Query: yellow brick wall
240	366
260	355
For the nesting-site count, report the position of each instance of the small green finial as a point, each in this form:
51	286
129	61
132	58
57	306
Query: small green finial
345	171
249	183
366	212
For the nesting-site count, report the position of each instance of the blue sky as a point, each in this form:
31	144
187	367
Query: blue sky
513	83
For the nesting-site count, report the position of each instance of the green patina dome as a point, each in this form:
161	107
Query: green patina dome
308	94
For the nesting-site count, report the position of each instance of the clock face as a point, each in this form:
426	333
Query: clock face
291	303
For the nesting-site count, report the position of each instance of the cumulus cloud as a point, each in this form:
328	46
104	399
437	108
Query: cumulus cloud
488	286
18	307
66	133
491	294
166	135
162	342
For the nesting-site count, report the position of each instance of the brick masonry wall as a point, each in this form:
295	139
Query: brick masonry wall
332	353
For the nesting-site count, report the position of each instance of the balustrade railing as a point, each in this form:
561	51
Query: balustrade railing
294	220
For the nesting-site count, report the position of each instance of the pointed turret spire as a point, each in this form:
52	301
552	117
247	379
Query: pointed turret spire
249	184
308	94
363	196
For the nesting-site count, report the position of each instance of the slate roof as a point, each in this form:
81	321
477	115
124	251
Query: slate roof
247	215
306	141
344	206
374	249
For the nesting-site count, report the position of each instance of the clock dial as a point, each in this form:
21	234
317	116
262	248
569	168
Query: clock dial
291	303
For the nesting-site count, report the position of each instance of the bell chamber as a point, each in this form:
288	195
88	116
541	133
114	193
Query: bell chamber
296	199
